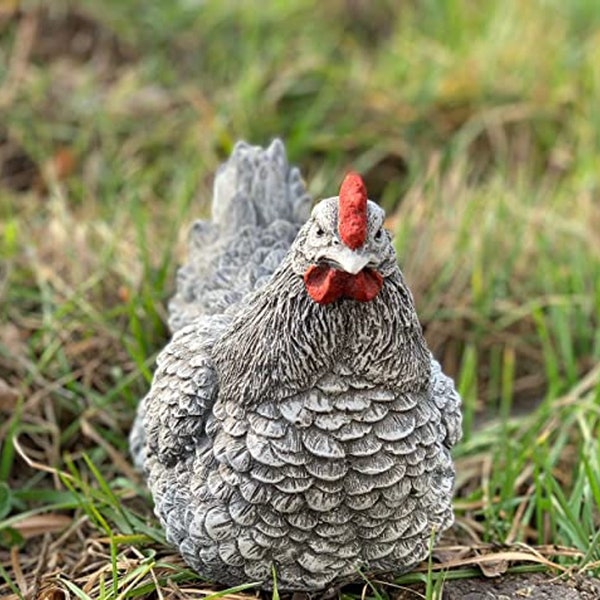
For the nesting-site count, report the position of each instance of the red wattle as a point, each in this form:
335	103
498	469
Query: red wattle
364	286
326	284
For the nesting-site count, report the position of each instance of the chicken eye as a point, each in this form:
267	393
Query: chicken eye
379	234
320	232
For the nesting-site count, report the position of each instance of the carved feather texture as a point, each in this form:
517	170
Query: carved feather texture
281	433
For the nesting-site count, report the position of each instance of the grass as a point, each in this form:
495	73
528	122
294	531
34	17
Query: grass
475	125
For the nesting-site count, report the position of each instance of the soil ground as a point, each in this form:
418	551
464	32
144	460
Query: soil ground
536	586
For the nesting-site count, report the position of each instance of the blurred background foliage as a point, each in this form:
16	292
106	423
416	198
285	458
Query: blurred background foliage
476	125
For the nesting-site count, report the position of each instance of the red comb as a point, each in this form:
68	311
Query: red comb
352	211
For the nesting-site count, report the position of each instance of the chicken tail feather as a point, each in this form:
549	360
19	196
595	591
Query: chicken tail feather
259	204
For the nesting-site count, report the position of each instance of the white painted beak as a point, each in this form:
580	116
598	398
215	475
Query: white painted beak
343	258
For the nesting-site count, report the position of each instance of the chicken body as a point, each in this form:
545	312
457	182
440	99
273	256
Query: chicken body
283	434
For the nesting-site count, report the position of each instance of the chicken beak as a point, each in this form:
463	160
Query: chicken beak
344	259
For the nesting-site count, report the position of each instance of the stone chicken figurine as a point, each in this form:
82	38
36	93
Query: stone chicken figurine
297	429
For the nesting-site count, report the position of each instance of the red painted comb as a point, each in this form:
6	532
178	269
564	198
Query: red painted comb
352	211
